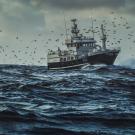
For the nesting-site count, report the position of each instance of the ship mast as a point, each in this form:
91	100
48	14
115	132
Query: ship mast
103	37
92	28
65	26
75	31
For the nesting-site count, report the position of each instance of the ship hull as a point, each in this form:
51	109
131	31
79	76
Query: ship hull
107	57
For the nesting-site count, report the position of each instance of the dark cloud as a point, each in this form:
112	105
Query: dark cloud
25	14
130	6
122	6
127	6
20	16
80	4
24	21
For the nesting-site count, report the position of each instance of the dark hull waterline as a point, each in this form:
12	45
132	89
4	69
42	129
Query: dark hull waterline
107	57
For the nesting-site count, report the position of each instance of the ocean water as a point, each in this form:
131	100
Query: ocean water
95	100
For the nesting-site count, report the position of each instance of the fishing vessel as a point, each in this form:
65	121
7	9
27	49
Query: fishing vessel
81	51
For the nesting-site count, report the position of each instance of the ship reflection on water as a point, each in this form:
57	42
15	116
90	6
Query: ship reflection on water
95	100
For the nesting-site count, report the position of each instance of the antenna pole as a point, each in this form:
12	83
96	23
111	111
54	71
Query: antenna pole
92	27
65	26
103	37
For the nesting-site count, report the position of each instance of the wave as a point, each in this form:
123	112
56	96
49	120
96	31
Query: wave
60	131
95	100
113	120
127	63
12	115
121	83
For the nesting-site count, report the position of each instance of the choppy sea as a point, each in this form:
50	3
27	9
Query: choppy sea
95	100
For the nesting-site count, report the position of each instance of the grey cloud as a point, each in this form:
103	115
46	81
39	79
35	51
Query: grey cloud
122	6
20	16
127	6
130	6
28	16
80	4
24	22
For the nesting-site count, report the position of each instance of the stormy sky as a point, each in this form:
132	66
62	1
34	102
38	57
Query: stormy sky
28	28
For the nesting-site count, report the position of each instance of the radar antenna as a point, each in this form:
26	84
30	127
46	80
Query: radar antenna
75	31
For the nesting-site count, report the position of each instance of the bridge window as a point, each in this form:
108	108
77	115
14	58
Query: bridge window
68	58
61	59
72	58
64	59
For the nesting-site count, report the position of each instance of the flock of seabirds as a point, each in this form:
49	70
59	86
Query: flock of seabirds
112	33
